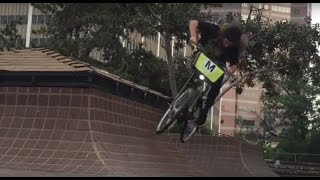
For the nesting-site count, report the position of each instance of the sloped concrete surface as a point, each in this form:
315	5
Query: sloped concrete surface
86	132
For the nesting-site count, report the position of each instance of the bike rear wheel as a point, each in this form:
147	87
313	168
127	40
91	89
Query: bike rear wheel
174	111
188	129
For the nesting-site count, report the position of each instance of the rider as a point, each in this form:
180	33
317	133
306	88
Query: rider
224	44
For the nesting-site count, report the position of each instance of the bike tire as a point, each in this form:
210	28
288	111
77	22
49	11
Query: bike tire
169	117
185	135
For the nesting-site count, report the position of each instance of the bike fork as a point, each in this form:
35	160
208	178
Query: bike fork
184	86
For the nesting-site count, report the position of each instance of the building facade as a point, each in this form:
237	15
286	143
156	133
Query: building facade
20	11
295	12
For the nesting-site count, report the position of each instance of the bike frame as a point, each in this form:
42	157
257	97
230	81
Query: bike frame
203	89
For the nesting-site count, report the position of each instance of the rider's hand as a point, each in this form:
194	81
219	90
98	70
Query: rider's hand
194	39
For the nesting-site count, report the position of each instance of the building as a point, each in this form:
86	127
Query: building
295	12
224	10
20	11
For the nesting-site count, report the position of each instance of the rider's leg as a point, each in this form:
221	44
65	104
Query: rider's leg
214	92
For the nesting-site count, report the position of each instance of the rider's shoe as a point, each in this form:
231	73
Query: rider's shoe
200	123
191	126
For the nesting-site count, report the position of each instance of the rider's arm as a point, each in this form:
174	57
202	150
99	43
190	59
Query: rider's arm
193	28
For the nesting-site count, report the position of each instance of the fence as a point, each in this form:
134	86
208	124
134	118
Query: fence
295	157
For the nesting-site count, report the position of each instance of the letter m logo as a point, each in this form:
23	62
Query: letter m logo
209	67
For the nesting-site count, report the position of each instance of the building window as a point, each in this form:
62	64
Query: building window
215	5
41	19
246	108
296	11
280	9
266	6
48	18
11	19
22	19
274	8
34	19
244	4
4	19
250	94
247	123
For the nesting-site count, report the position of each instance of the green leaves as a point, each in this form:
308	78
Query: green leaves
9	36
144	68
78	28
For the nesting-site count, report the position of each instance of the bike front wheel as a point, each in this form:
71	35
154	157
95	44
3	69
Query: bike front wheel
172	113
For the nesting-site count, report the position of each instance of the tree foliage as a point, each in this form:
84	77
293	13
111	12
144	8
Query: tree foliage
288	111
9	36
143	67
76	29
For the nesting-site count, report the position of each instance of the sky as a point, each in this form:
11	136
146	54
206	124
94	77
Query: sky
315	13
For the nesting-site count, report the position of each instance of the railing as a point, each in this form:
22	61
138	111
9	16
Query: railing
295	157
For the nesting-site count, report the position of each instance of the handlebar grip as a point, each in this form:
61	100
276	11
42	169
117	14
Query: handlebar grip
196	46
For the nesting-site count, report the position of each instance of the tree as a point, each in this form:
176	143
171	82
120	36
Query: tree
274	47
279	56
169	19
76	29
9	36
144	68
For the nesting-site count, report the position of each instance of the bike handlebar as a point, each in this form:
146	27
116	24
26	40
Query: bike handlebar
196	47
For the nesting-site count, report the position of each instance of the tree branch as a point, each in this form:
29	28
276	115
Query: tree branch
274	81
192	7
266	128
146	20
250	12
153	13
134	21
239	79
